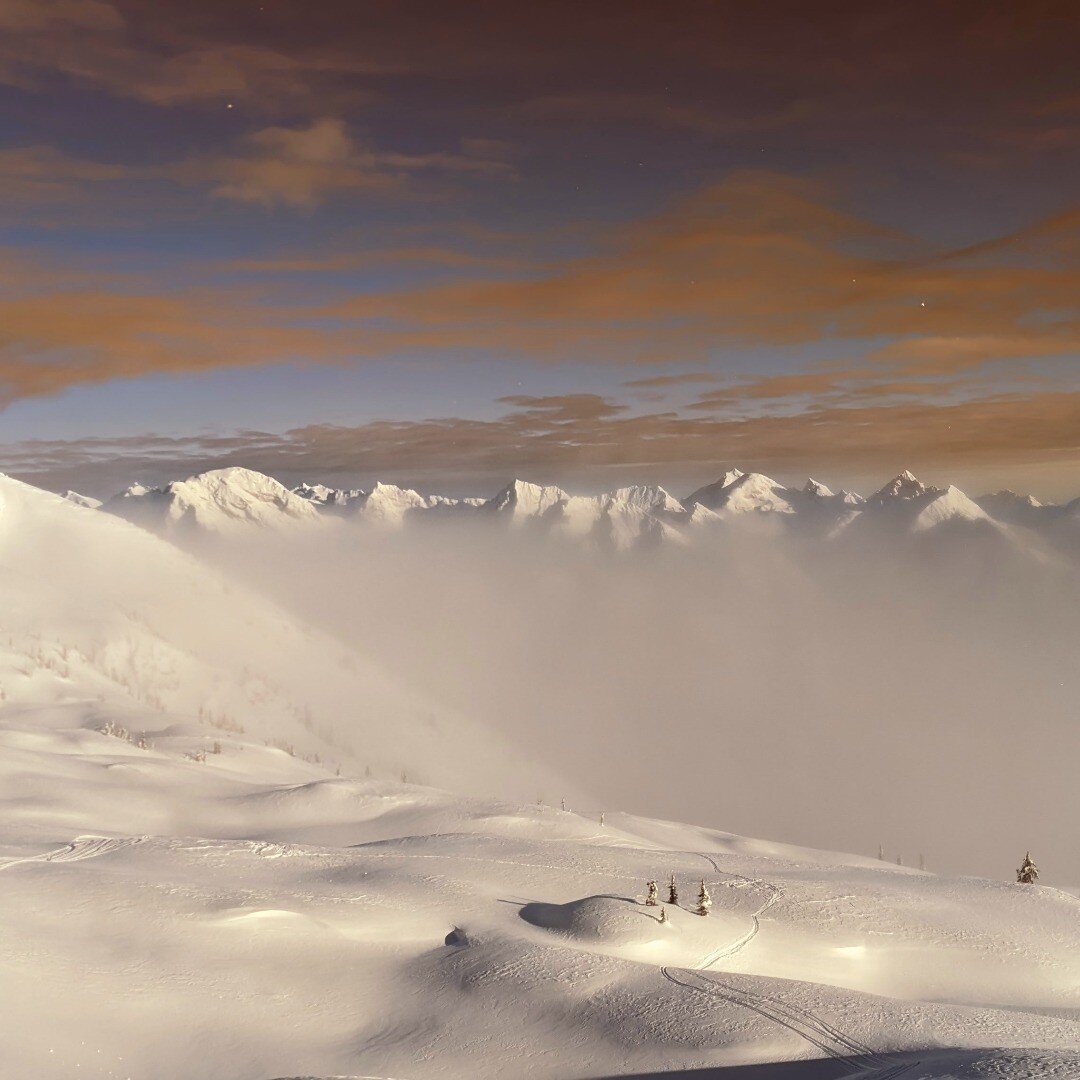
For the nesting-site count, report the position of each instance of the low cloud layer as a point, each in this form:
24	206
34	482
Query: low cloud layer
576	438
914	693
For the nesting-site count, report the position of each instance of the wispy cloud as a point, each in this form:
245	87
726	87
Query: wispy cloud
571	435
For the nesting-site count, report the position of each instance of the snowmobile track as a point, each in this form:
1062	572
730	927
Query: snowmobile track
808	1026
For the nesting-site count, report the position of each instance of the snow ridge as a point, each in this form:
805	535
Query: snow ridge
234	500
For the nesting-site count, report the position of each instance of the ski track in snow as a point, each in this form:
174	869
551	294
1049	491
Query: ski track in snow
810	1027
818	1032
730	950
82	847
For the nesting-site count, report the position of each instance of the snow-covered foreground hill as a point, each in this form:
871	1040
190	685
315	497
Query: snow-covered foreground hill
251	916
188	887
106	624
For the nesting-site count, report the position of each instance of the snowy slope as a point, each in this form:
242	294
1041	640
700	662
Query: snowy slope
132	623
520	503
81	500
627	518
387	504
188	890
305	925
1013	509
908	505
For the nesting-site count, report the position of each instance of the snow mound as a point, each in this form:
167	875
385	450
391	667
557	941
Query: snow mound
609	919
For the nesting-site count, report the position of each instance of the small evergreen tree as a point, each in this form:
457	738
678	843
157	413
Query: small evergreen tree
704	900
650	895
663	914
1028	874
672	891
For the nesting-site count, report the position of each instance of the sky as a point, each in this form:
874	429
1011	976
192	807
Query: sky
447	244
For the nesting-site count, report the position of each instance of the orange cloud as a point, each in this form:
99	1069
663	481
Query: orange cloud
54	339
757	258
563	437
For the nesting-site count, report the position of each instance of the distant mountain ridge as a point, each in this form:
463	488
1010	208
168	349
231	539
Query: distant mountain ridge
232	500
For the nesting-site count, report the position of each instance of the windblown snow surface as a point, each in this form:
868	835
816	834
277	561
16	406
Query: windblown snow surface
189	889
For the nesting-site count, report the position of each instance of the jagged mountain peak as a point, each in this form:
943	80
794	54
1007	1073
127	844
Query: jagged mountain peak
817	489
905	485
522	499
217	501
738	492
321	495
645	497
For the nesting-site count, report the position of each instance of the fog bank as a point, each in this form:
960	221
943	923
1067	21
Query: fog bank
914	693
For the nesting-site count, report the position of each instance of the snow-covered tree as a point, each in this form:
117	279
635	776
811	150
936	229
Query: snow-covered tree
704	900
1028	874
672	891
650	894
663	914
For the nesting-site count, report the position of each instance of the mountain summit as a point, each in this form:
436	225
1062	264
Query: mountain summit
219	501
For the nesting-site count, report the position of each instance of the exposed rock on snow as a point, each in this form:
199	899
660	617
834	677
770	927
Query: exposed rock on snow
81	500
329	498
904	486
816	489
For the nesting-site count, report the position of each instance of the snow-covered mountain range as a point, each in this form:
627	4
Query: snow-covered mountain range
212	836
230	501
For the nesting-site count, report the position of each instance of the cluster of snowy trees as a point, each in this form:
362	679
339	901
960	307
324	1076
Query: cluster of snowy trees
704	901
1028	874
